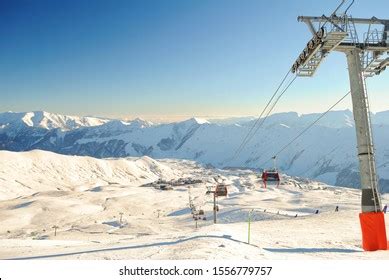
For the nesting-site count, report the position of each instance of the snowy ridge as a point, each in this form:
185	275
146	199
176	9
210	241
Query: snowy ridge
47	120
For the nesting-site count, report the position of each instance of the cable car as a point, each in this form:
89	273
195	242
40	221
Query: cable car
271	175
221	190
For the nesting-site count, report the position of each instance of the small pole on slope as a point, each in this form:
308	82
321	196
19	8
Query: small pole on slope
121	217
214	207
249	226
55	230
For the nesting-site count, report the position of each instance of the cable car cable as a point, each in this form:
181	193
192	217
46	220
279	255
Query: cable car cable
274	104
248	136
260	116
308	127
271	109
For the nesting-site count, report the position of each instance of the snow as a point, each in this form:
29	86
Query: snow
52	172
326	152
84	197
327	177
200	121
232	121
381	118
47	120
141	123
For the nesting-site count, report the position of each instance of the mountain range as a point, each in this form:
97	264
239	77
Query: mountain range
326	152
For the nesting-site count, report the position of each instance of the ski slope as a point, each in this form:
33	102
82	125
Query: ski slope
107	209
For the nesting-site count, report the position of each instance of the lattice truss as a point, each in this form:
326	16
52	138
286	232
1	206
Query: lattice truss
344	33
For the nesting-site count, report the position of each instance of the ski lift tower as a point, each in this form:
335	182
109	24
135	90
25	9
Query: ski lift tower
367	56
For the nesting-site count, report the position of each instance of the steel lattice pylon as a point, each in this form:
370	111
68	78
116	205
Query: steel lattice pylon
365	58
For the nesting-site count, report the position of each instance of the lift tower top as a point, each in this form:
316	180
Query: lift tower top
339	33
367	55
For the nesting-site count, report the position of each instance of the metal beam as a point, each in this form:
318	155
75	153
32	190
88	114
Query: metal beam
337	19
385	37
343	47
311	27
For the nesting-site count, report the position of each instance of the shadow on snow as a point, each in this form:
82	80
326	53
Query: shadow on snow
311	250
168	243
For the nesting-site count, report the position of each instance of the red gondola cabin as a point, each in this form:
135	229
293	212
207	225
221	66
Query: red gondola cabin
221	190
270	176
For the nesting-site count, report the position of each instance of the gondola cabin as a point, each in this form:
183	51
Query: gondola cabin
221	190
270	176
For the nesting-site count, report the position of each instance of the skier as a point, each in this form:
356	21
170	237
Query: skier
385	207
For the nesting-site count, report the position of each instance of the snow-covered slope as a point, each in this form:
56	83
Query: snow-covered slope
326	152
26	173
106	209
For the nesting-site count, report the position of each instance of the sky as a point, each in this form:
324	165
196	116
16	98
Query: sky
169	59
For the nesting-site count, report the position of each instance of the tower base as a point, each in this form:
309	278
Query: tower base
373	231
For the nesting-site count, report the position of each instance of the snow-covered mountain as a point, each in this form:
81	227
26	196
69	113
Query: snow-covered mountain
327	152
41	119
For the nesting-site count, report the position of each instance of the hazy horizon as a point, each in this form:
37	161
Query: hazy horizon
178	118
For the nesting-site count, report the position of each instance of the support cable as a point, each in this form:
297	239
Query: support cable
308	127
258	120
274	104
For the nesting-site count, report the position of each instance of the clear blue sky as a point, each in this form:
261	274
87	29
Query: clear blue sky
167	58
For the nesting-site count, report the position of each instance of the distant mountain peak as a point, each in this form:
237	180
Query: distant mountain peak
46	120
197	120
141	122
